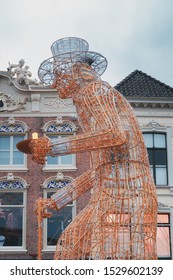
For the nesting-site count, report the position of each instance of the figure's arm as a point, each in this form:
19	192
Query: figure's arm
104	130
107	132
85	142
74	189
67	194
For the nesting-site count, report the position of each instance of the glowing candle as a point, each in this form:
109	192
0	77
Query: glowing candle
35	135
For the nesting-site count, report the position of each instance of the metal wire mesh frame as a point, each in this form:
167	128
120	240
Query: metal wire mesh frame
120	220
48	67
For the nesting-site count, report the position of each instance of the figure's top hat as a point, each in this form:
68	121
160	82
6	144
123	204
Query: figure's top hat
66	52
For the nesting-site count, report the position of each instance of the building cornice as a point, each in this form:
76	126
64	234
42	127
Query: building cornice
24	89
150	102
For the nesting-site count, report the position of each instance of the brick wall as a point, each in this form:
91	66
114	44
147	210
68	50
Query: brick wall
35	177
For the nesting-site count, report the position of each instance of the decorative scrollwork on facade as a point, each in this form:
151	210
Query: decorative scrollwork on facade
10	182
161	205
7	128
59	181
59	128
9	104
58	184
57	103
11	185
12	126
154	124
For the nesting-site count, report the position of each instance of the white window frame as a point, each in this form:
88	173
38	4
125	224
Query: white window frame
11	151
59	122
167	132
60	166
51	248
168	225
11	124
22	248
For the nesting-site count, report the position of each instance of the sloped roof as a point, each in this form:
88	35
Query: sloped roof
139	84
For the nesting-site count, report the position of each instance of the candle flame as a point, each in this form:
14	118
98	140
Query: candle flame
35	135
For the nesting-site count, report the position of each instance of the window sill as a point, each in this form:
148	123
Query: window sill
13	251
10	168
52	248
49	250
162	186
59	168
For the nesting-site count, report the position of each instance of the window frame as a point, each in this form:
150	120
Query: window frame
159	225
46	247
24	207
153	149
61	166
163	225
59	128
11	151
12	128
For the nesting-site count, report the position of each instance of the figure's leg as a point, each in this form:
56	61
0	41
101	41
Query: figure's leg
75	241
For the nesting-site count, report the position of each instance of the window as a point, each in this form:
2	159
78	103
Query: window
60	129
9	155
10	134
12	214
55	225
61	160
157	152
163	236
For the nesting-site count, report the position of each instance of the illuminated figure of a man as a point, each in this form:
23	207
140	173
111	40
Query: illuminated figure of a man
119	221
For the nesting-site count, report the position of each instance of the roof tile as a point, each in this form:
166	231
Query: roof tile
139	84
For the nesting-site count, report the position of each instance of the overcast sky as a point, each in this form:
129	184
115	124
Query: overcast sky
131	34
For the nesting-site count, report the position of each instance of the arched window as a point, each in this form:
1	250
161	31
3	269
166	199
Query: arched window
58	129
12	213
11	132
56	224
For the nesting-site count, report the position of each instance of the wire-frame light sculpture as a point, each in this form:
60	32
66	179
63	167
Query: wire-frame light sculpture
119	222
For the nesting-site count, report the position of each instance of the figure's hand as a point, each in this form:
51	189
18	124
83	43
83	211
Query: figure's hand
40	149
41	206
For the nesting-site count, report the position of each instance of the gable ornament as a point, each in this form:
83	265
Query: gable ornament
9	104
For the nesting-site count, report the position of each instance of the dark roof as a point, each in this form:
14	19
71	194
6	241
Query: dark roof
139	84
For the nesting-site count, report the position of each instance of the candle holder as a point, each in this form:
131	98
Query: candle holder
38	148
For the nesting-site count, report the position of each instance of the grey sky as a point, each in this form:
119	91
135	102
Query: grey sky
131	34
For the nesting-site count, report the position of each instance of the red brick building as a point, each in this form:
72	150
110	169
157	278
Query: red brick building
23	111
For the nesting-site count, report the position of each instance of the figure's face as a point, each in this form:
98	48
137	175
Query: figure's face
77	77
66	85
